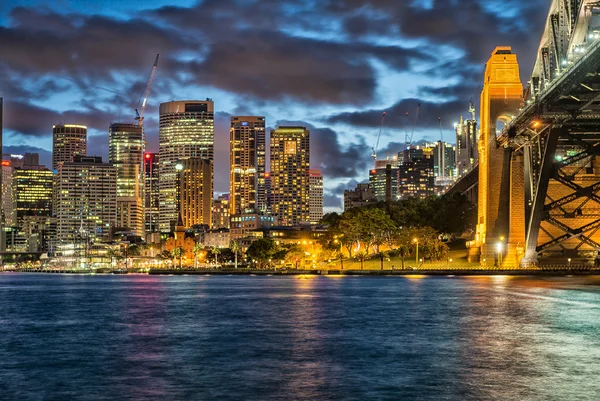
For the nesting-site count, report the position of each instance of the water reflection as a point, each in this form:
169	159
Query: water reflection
433	338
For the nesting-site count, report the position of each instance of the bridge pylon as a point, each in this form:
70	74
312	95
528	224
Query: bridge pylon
500	232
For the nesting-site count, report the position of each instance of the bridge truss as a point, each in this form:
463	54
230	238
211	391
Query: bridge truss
558	134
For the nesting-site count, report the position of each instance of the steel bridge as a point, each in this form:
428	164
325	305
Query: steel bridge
539	176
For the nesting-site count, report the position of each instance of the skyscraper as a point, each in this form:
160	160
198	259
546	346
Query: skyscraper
415	174
195	191
466	143
247	165
151	193
32	192
383	179
87	205
125	151
68	140
315	179
186	130
290	161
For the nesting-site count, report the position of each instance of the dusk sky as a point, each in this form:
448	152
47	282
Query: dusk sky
332	65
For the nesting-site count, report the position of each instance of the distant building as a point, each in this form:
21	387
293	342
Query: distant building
68	140
87	205
466	143
383	179
220	212
290	161
242	225
151	192
247	193
195	191
186	129
126	145
315	179
217	238
362	195
31	192
415	177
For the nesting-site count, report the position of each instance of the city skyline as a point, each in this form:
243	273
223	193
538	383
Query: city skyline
365	65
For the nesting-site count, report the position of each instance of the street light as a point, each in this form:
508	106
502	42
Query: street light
569	260
416	241
499	246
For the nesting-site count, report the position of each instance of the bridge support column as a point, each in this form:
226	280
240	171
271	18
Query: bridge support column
537	209
515	245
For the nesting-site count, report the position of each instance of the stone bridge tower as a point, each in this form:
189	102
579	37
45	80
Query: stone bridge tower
500	217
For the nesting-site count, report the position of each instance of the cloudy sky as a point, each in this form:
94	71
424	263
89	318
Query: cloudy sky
333	65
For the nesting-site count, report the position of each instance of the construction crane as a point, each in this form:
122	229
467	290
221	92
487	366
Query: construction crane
407	139
374	154
139	115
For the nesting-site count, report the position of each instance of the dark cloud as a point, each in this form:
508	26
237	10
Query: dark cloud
30	120
429	112
333	201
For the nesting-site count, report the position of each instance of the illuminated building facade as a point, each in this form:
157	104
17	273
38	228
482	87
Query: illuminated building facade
315	179
86	204
466	145
383	180
151	192
195	191
220	212
126	145
290	162
32	192
186	130
68	140
415	174
247	165
242	225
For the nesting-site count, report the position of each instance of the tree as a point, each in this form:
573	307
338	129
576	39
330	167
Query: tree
235	248
177	253
114	254
196	251
215	251
261	251
400	241
361	255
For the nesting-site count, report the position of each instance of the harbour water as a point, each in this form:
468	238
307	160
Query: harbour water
139	337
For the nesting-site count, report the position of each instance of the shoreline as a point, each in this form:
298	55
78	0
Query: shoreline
331	272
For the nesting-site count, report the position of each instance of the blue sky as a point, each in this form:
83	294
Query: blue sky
334	65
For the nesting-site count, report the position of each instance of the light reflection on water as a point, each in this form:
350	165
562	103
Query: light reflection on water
352	338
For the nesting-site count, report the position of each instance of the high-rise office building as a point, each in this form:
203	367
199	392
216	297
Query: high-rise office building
68	140
195	191
443	163
151	192
383	180
186	129
87	205
466	143
415	174
247	165
10	162
126	145
290	161
31	192
315	180
220	212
